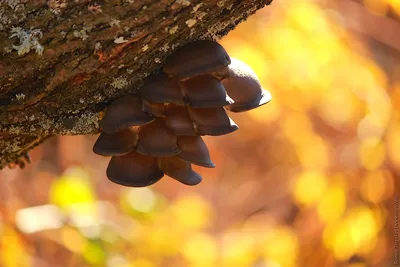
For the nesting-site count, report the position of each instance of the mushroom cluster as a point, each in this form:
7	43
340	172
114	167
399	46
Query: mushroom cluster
158	131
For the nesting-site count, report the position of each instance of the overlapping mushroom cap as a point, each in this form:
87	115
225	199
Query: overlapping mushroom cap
158	132
244	87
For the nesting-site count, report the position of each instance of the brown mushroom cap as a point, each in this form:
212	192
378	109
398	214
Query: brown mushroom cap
134	170
205	91
195	151
197	58
118	143
124	112
244	87
180	170
156	140
212	121
156	109
162	89
178	120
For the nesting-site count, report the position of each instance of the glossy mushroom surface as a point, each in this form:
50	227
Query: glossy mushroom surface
134	170
244	87
159	130
159	88
197	58
156	140
118	143
194	150
205	91
212	121
180	170
124	112
178	121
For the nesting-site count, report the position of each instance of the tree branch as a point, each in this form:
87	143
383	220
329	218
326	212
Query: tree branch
62	61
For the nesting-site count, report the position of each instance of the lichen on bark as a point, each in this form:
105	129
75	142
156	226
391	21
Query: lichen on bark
93	52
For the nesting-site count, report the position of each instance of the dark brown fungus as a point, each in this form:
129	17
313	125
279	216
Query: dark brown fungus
156	140
178	120
194	150
180	170
197	58
205	91
156	109
244	87
162	89
212	121
134	170
118	143
124	112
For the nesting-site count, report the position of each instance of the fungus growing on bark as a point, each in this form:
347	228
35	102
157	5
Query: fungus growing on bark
178	106
197	58
162	89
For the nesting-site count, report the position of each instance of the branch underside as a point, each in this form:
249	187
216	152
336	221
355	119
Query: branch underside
92	54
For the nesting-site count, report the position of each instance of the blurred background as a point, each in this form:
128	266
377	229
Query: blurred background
310	179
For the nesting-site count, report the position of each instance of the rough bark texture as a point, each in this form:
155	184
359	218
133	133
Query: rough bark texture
62	61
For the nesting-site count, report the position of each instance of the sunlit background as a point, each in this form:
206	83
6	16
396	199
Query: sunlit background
309	180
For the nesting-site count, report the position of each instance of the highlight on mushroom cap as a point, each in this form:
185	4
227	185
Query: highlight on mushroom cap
124	112
197	58
244	87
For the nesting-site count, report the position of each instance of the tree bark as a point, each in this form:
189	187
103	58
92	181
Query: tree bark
62	61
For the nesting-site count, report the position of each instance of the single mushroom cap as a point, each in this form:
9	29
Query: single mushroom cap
178	120
124	112
118	143
197	58
212	121
162	89
180	170
244	87
205	91
134	170
194	150
156	140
